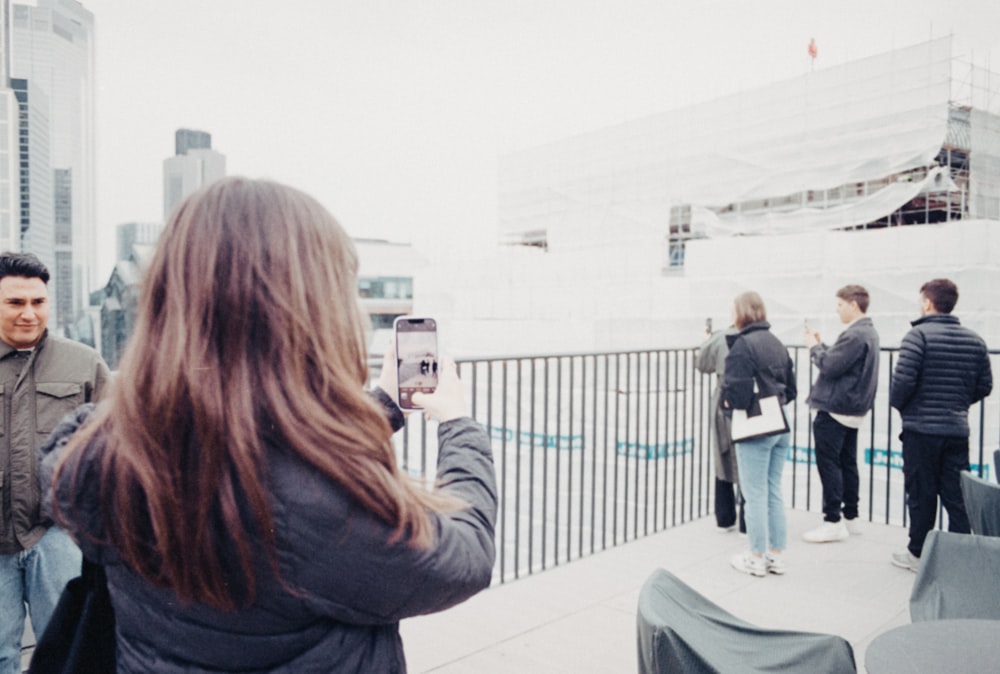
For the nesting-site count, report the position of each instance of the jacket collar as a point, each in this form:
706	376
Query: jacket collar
6	349
936	318
752	327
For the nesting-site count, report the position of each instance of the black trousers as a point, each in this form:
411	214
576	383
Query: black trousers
837	463
727	500
931	467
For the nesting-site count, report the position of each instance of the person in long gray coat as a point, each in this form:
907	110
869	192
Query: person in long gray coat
711	359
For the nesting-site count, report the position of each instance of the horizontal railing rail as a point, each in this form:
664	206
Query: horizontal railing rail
594	450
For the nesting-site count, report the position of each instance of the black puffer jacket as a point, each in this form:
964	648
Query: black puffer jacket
354	586
756	353
943	368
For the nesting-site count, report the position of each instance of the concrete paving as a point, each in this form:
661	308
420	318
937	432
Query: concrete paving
580	617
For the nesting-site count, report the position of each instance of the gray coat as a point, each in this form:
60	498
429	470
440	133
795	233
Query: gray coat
848	371
711	359
58	376
352	586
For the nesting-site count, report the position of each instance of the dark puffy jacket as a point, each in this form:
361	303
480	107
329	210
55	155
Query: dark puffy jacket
756	353
943	368
848	371
353	585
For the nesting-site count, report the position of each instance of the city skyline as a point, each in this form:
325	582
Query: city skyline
394	114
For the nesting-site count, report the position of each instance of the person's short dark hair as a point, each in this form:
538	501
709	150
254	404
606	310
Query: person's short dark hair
23	264
942	293
855	293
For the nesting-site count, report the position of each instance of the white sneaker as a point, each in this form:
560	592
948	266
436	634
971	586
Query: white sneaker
853	526
750	563
775	564
828	532
905	560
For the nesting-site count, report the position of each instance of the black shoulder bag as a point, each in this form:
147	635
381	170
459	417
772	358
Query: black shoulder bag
80	637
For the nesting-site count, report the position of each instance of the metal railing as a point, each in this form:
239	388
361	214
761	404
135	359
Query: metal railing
595	450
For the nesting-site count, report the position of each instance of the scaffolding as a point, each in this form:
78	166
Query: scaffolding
909	137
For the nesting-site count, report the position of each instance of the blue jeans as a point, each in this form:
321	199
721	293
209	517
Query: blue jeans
761	463
36	577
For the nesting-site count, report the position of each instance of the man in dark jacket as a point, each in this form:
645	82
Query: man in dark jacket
842	395
943	368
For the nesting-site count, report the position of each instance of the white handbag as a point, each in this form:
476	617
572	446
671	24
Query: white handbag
765	417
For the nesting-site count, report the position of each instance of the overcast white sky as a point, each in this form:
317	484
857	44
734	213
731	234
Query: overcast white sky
393	112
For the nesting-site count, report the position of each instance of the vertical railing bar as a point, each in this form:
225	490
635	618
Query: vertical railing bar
604	467
545	464
614	486
517	484
628	452
593	462
558	448
517	472
656	430
583	445
650	447
531	467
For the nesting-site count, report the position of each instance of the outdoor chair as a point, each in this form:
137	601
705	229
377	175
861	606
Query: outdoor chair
958	578
982	504
679	630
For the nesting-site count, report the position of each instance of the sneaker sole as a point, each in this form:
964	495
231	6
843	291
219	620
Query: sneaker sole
903	565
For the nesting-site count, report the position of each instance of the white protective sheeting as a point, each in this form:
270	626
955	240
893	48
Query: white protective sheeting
856	212
861	121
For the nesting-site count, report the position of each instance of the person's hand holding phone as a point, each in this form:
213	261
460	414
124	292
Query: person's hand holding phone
448	400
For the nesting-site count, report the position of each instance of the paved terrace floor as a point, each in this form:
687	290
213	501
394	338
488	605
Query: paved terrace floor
580	617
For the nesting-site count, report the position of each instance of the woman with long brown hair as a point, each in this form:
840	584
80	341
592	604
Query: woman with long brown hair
239	485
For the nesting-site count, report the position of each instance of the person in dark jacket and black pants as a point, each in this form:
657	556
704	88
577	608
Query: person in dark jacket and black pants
755	354
943	368
239	485
842	395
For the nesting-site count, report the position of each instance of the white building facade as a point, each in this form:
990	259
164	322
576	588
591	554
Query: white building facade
883	172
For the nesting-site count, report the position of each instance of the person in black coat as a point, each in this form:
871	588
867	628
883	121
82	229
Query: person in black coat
943	368
239	486
758	365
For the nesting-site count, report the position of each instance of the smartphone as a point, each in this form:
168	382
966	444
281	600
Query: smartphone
416	358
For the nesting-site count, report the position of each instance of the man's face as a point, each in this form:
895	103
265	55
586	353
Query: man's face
847	311
24	310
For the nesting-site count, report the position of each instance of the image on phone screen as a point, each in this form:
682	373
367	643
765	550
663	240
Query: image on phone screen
416	358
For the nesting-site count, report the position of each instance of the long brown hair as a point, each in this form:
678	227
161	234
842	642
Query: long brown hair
248	328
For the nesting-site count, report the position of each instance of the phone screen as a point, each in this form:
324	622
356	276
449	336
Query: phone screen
416	357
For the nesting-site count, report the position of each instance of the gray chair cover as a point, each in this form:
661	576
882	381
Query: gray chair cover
958	578
679	630
982	504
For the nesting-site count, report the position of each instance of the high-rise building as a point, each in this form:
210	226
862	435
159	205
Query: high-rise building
195	164
133	233
10	228
35	178
52	49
